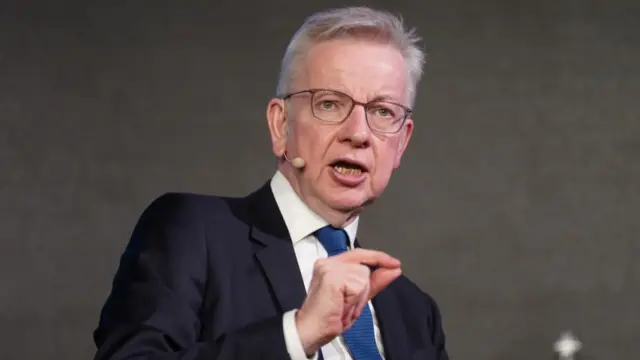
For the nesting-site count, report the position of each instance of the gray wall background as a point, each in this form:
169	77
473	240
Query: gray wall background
517	206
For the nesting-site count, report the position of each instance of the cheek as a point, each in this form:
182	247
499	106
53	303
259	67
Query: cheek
300	135
385	163
312	143
306	149
384	169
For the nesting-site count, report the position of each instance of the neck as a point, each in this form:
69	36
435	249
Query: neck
338	218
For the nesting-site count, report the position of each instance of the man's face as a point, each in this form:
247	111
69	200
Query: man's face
366	71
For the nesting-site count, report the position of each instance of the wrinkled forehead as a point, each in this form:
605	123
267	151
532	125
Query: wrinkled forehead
366	70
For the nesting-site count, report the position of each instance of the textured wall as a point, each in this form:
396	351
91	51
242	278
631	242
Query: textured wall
516	207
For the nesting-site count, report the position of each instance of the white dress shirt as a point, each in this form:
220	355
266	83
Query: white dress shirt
302	222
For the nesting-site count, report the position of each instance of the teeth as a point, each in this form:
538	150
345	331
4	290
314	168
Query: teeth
347	171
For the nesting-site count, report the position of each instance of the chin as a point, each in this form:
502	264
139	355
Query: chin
348	200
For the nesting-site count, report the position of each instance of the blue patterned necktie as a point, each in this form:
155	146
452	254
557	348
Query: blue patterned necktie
359	338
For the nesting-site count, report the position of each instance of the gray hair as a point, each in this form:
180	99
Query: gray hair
354	22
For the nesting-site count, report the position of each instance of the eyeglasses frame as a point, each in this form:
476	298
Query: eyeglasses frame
407	111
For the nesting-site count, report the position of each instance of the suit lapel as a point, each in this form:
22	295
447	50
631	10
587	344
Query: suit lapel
280	266
390	323
391	327
275	252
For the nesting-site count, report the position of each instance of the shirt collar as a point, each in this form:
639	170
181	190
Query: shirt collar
299	219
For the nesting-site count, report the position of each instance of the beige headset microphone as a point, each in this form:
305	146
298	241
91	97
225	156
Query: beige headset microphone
297	162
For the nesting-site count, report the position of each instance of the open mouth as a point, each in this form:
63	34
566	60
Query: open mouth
348	168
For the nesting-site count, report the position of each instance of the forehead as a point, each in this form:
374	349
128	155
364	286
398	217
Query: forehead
362	69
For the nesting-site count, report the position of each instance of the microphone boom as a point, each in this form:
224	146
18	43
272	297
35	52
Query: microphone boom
297	162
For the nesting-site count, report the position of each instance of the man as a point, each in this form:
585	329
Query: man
271	276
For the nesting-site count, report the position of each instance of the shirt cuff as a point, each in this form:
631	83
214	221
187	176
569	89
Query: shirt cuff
292	338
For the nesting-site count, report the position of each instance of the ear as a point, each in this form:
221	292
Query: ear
277	122
405	136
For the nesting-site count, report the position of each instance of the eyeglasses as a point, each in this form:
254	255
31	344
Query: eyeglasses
334	107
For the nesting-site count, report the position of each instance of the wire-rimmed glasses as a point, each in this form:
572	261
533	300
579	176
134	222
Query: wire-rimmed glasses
333	106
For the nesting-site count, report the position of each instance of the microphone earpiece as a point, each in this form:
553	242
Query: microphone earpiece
297	162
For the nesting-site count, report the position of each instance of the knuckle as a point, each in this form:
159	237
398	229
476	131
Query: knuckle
356	286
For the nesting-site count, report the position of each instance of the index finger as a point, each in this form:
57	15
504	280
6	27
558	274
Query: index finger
371	258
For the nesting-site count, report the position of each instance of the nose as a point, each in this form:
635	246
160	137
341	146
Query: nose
355	129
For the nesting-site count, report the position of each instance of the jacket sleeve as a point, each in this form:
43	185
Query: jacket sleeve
157	294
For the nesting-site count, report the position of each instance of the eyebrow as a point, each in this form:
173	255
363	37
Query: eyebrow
383	98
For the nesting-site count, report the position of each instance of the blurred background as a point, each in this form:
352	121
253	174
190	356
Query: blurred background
516	207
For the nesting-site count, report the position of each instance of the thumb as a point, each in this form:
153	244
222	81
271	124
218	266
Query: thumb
381	278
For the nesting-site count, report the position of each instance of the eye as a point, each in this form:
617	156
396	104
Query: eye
384	112
327	104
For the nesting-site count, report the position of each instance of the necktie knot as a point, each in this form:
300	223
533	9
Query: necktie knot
333	239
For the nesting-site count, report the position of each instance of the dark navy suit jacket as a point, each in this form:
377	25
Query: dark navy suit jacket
209	278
